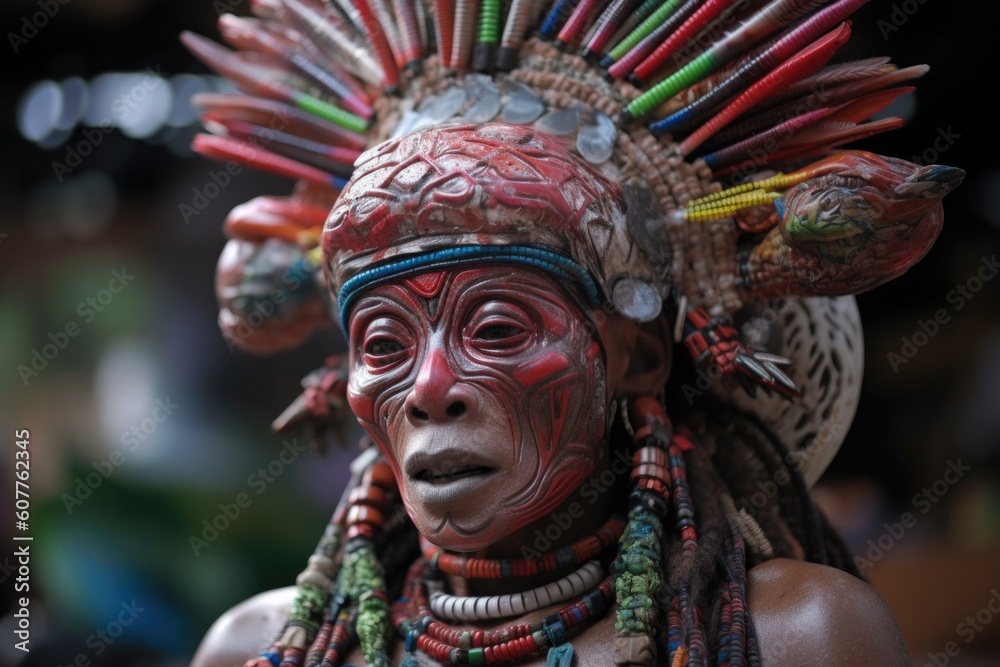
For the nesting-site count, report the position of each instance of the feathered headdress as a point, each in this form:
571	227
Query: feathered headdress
648	106
672	158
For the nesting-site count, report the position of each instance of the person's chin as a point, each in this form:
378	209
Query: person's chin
466	530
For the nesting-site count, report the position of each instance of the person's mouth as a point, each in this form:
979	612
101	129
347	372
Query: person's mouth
444	475
433	476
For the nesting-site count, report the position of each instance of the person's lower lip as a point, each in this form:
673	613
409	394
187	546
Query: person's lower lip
446	491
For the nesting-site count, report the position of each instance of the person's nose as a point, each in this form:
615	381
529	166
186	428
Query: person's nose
438	395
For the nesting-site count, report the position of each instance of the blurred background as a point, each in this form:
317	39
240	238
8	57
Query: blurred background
145	427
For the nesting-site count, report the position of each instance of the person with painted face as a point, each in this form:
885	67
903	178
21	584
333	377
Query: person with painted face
600	383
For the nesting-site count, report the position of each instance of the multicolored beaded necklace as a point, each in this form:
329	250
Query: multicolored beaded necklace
422	630
418	622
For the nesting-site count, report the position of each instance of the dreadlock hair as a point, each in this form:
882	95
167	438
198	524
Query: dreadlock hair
704	603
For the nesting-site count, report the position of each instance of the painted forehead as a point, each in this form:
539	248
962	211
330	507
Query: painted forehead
453	284
536	258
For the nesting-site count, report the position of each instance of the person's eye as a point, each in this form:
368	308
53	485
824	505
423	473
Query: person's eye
494	332
382	347
381	351
499	335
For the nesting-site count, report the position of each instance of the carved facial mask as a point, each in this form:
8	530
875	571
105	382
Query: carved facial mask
486	390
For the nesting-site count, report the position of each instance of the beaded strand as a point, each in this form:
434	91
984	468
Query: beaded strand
421	631
364	579
358	605
693	647
638	566
314	583
342	638
501	568
501	606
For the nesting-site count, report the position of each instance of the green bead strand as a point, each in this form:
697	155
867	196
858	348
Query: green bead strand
637	573
643	30
690	74
365	582
308	605
326	111
489	22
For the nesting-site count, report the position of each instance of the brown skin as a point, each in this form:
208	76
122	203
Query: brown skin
804	614
485	344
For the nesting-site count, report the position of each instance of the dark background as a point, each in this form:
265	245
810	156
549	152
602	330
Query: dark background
128	541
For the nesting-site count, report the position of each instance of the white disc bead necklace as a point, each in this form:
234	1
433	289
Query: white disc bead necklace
473	608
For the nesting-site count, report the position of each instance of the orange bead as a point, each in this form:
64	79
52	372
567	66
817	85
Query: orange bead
645	410
645	432
379	474
649	454
650	470
360	530
364	514
654	485
372	496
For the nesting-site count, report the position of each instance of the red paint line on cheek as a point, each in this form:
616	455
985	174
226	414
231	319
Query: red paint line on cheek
362	403
560	410
532	372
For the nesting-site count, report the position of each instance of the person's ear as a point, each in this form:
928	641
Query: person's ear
649	359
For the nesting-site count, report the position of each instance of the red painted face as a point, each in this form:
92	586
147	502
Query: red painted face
486	391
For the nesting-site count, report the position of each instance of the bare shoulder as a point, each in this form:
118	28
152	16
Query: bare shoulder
808	614
245	630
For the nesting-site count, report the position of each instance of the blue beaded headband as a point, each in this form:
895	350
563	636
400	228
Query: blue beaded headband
531	256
